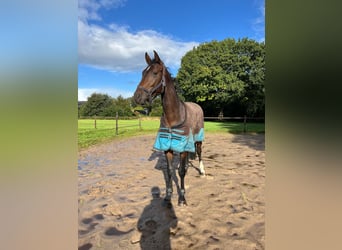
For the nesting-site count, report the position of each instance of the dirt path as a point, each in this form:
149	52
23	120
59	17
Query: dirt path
226	209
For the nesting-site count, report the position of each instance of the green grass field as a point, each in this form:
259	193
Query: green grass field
105	129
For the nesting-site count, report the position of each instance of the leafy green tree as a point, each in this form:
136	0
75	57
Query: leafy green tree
223	75
156	109
80	107
119	105
124	106
96	104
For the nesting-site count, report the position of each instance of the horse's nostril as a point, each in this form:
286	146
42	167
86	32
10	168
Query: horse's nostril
137	97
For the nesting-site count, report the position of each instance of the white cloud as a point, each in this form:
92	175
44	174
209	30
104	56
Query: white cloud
84	93
88	9
258	23
115	48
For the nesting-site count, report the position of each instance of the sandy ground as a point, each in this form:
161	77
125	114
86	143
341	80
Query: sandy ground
119	206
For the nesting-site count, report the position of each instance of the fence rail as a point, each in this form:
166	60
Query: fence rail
234	118
116	118
241	118
118	126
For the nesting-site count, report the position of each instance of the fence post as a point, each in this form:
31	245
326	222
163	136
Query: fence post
95	122
220	116
244	124
139	122
116	124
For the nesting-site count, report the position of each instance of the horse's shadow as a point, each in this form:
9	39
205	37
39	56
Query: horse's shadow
156	222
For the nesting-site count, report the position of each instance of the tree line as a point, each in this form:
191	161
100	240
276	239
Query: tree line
99	104
224	77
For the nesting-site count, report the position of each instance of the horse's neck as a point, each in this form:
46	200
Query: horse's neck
172	106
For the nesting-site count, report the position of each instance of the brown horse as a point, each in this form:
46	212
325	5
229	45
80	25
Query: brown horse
181	125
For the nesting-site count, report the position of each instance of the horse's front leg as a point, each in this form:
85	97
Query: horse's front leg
168	177
182	172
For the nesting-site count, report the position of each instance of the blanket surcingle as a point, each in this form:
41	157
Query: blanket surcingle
183	136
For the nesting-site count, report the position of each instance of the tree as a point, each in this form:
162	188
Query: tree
119	105
96	104
80	107
226	74
156	109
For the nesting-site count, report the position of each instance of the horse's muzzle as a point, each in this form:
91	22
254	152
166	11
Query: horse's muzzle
141	97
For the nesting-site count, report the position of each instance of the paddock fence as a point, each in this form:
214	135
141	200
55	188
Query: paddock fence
119	122
245	119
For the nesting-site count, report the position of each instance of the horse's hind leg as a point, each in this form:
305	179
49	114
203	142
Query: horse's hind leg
168	177
182	172
199	153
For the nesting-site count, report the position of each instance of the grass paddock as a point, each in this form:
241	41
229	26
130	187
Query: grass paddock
105	129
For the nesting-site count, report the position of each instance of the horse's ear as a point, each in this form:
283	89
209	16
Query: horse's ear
148	59
156	57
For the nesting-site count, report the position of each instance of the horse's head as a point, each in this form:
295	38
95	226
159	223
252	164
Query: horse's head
152	82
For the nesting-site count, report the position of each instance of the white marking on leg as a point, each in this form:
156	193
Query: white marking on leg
201	168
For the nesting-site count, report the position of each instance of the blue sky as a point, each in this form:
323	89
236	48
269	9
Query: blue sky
113	36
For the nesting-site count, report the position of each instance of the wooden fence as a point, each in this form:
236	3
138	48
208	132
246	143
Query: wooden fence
116	119
243	119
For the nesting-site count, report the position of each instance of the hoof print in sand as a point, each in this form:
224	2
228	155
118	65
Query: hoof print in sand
113	231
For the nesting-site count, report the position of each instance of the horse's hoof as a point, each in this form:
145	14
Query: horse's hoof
182	203
167	203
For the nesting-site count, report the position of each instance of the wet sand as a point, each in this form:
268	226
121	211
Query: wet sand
121	190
